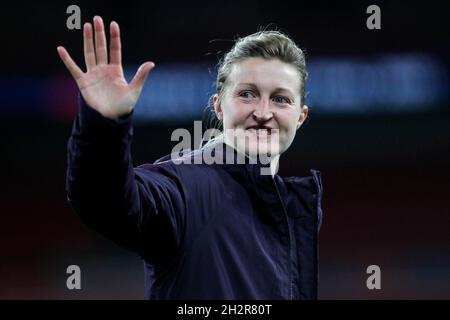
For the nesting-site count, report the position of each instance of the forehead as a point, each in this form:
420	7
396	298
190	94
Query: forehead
265	74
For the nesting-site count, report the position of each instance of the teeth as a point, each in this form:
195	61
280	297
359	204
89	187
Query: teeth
260	131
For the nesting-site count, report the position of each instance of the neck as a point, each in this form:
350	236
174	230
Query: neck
274	164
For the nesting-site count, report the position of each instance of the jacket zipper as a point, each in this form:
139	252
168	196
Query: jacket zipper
291	254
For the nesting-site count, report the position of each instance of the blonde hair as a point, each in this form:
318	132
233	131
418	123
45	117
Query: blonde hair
265	44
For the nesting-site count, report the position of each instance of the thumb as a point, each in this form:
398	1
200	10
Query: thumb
141	75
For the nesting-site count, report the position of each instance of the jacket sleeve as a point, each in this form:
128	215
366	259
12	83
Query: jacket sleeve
140	209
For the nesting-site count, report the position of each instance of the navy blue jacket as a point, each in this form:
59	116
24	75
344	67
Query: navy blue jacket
218	231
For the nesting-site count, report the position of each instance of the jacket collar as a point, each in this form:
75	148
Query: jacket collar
299	196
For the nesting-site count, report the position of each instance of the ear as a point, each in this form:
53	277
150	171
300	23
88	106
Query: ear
303	116
217	107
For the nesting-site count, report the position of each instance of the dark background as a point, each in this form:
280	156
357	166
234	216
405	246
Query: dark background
386	176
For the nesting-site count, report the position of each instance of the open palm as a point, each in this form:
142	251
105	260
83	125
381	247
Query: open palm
103	85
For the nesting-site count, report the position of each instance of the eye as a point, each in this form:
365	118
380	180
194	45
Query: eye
280	99
245	94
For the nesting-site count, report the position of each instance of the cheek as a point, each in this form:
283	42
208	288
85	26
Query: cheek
234	115
288	124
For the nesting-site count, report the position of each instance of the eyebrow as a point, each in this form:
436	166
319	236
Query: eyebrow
253	86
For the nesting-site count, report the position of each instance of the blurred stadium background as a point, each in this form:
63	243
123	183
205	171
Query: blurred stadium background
378	130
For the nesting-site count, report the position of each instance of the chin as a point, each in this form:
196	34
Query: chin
262	145
262	149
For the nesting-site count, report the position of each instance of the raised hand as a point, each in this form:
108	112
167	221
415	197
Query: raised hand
103	85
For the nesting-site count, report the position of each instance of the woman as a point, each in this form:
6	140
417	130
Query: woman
204	231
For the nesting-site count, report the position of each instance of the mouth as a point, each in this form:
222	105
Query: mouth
260	131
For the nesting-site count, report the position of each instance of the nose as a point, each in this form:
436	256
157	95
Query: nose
262	112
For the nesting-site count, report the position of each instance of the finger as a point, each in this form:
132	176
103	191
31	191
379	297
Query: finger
89	52
74	70
115	53
141	75
100	41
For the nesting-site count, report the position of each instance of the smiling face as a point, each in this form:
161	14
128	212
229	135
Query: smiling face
261	104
